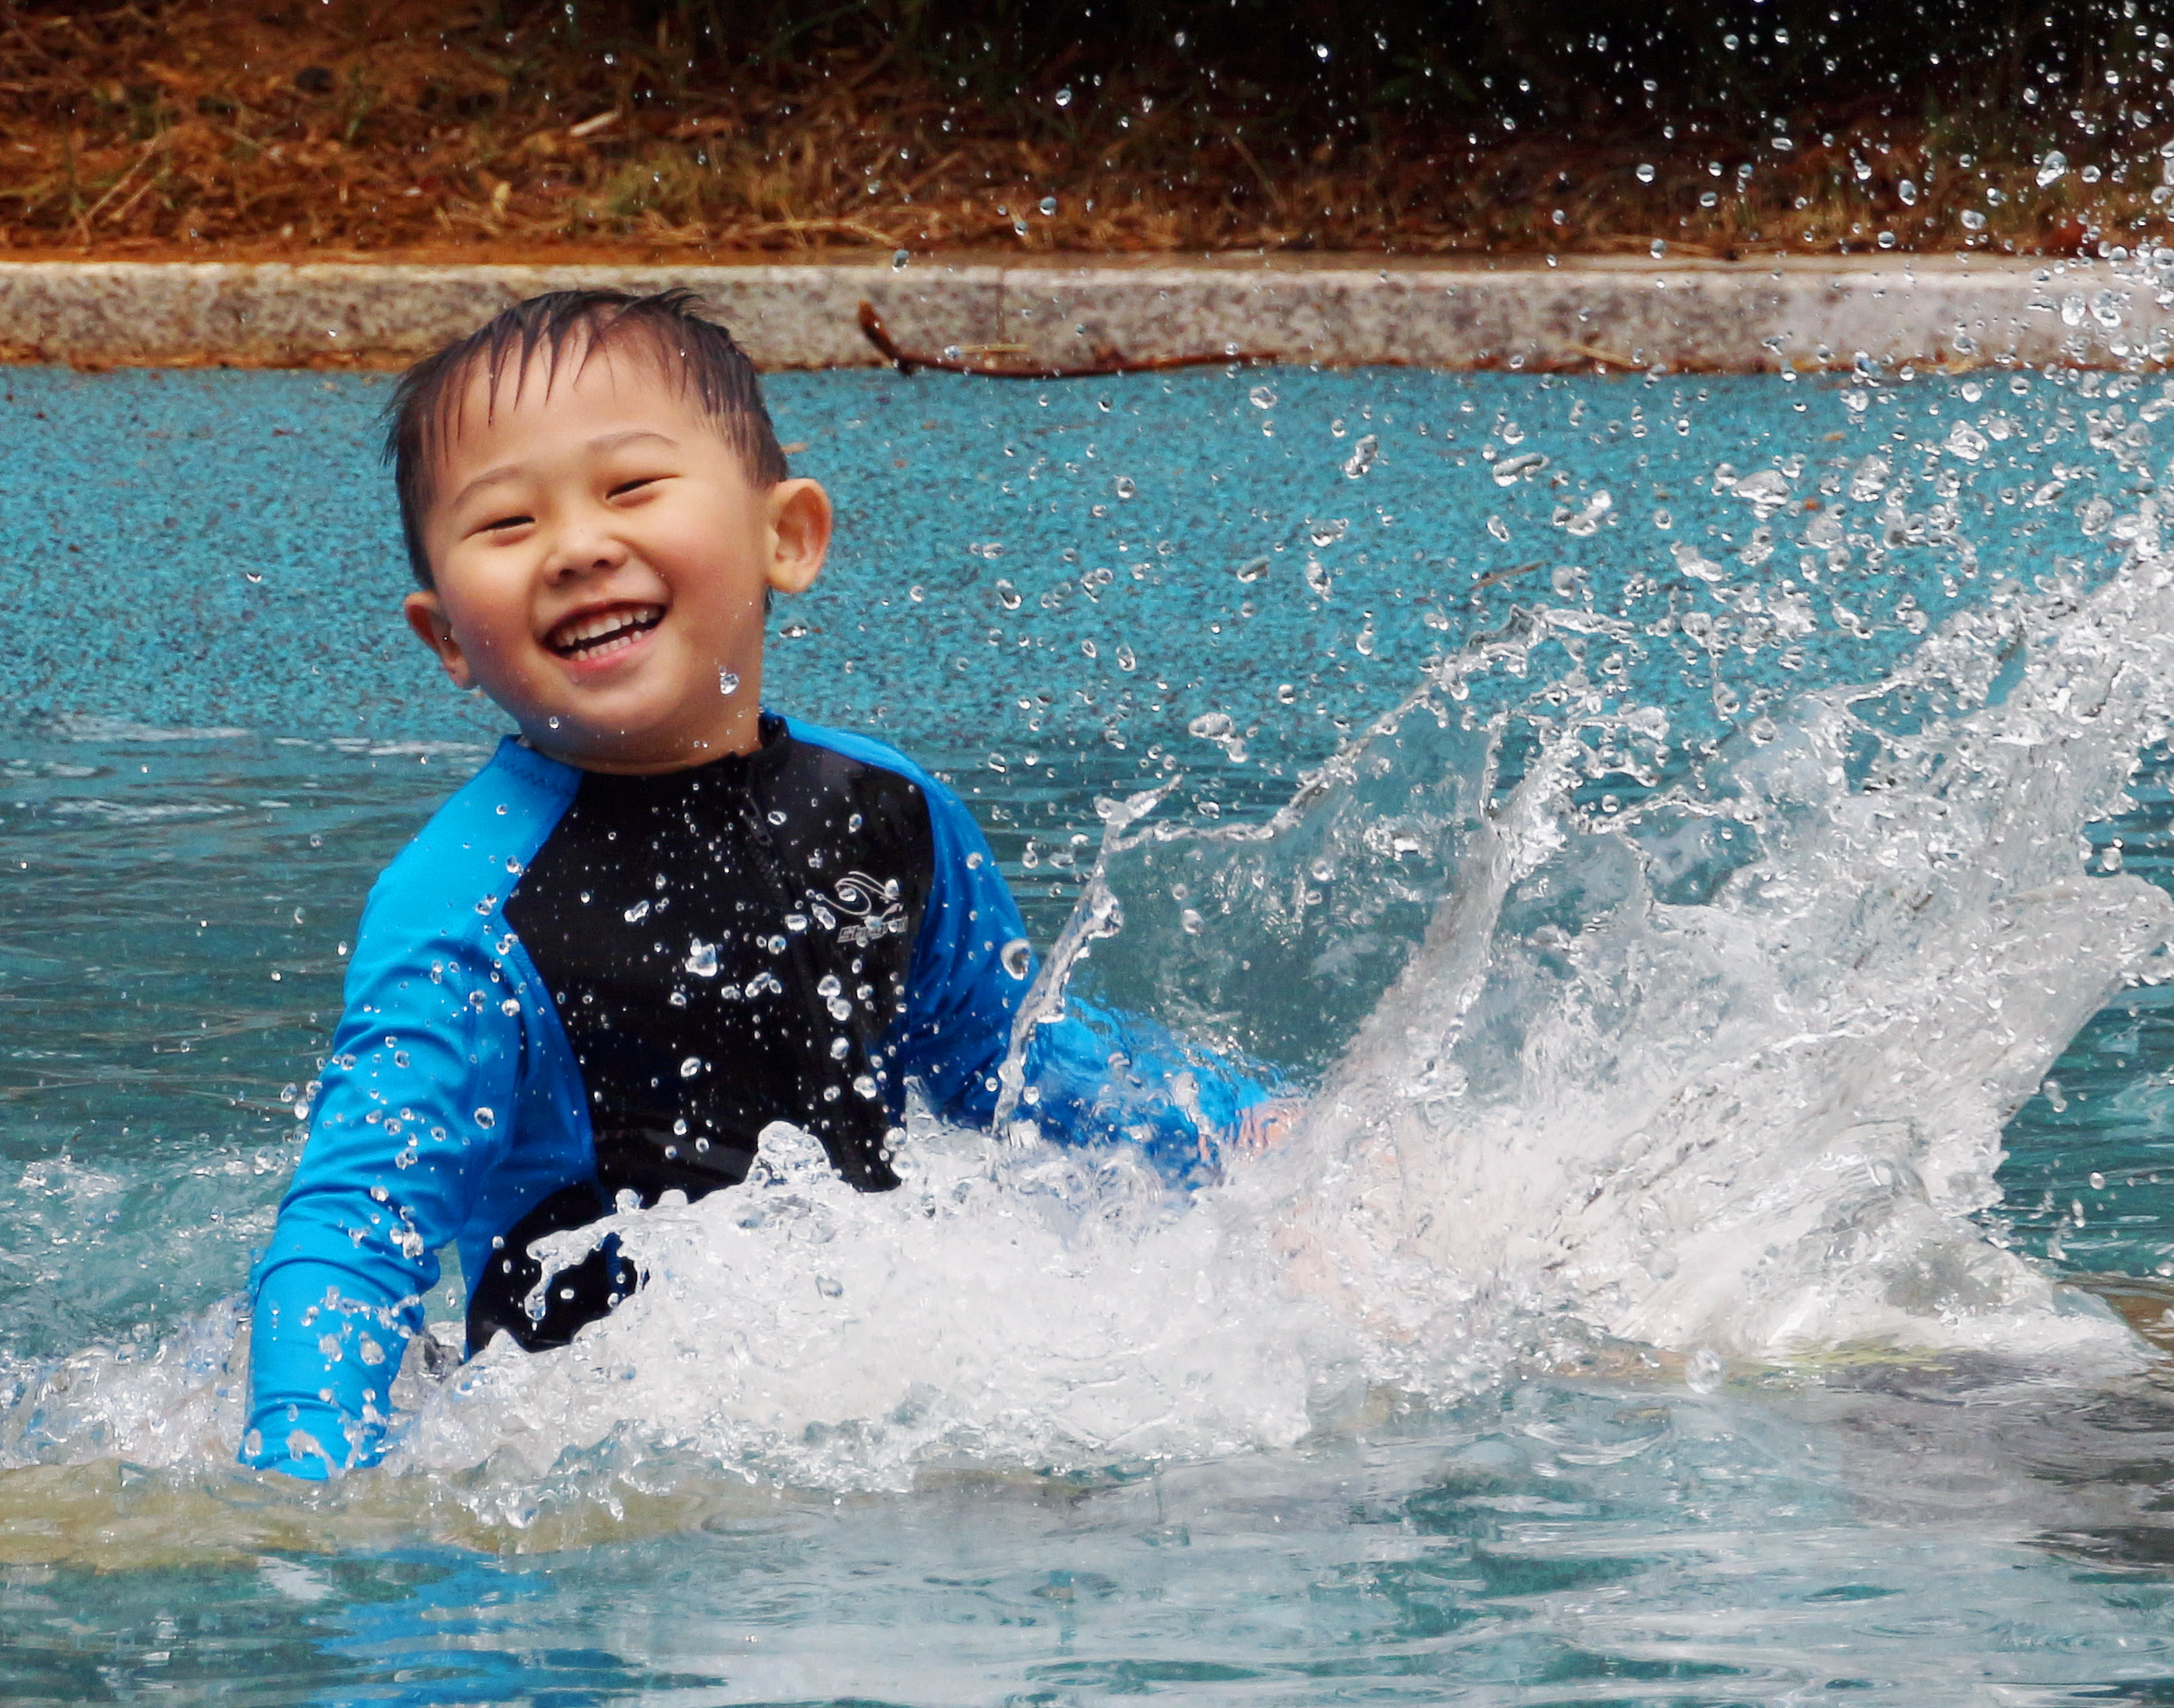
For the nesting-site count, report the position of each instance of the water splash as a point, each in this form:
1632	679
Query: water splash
1762	1122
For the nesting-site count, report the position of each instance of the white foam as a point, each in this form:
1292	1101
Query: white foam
1023	1309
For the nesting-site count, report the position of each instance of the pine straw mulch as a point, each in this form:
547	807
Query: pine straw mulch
474	129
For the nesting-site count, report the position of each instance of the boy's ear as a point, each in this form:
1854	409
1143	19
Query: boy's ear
426	615
800	532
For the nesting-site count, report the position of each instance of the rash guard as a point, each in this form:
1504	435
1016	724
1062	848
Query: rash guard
572	986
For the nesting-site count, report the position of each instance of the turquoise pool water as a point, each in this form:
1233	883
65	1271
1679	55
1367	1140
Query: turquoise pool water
1815	701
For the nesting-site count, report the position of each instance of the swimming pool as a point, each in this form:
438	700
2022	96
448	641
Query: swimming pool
1671	1132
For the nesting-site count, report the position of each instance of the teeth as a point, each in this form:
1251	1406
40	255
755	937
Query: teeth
606	631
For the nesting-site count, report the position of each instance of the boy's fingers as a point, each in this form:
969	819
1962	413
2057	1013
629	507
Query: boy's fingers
1264	1124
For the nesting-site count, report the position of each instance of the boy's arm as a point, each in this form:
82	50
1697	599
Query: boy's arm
416	1099
1093	1076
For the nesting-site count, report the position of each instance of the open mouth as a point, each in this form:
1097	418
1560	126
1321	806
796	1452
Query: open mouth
599	634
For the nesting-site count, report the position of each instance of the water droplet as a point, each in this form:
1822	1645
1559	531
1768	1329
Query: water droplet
1702	1370
1766	491
1908	191
864	1085
2052	169
1657	248
1966	441
898	260
1122	485
1691	563
486	1118
1252	570
1499	528
689	1068
1210	725
1017	957
701	958
839	1047
1364	456
637	913
1587	521
1008	596
1645	173
1507	469
1125	660
1286	694
728	683
1262	397
2098	1181
1048	204
1189	919
1064	96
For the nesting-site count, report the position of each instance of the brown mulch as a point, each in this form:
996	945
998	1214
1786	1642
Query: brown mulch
206	129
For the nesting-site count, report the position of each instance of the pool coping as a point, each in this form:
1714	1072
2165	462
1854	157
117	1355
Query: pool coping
1623	313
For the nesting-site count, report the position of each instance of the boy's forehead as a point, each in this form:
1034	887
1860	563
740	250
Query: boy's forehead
578	381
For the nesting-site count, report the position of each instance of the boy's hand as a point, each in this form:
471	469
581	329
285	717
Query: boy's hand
1260	1125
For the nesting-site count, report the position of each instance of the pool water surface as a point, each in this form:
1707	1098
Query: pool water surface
1677	1330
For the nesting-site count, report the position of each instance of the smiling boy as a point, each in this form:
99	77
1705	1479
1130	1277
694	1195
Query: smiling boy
661	917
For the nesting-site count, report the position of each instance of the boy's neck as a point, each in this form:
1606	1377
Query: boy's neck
743	735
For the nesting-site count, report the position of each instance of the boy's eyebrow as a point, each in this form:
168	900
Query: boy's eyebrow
602	442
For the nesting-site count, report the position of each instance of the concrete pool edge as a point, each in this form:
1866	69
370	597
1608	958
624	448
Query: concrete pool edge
1621	313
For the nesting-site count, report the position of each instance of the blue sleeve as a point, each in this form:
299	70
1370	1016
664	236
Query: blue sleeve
415	1103
1096	1076
1091	1077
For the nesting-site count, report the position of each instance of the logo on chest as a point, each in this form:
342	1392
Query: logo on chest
860	909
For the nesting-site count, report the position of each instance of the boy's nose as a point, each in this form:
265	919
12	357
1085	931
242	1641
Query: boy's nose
586	552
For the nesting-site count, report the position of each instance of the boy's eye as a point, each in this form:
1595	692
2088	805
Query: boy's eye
624	487
498	524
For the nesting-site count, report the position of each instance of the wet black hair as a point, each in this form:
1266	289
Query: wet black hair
672	325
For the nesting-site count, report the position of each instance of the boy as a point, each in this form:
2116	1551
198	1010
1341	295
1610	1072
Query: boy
661	917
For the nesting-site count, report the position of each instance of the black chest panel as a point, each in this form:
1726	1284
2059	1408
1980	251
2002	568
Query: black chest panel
727	946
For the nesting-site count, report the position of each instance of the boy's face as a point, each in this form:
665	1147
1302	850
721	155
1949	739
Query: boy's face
601	557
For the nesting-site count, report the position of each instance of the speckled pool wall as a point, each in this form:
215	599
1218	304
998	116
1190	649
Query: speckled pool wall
1125	555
